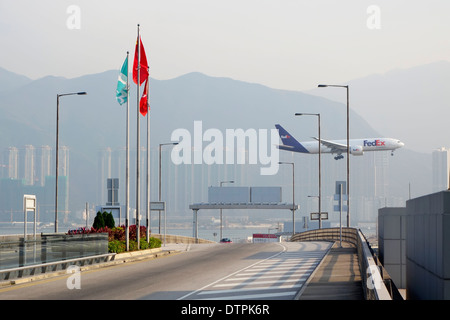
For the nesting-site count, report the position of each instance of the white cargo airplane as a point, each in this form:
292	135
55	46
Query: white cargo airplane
357	146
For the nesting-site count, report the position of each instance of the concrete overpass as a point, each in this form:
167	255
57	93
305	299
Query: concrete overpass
348	271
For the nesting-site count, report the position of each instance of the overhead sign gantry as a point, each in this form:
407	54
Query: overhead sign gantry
241	198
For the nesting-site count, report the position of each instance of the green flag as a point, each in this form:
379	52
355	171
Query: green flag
122	90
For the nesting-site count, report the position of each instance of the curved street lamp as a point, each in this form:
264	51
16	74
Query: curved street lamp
348	147
159	182
293	195
57	149
320	170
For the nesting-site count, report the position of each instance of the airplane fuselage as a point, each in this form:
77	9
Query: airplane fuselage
370	144
357	147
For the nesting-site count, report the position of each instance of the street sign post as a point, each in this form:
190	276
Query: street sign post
29	204
160	206
315	216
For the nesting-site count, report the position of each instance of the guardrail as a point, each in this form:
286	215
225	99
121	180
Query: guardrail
42	268
21	258
17	251
376	282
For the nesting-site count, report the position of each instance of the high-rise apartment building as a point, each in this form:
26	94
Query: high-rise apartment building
440	169
28	164
43	164
11	160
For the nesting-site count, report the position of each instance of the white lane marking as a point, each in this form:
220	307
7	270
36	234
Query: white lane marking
308	269
257	277
208	285
281	263
225	291
261	282
278	268
255	296
285	275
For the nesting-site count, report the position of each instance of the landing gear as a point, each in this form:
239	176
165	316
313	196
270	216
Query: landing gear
339	157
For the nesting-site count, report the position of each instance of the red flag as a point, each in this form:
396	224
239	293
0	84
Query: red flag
143	104
143	74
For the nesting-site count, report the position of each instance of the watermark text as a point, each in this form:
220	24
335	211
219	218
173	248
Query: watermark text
73	21
230	148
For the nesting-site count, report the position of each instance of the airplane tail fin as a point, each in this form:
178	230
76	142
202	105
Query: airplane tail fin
289	142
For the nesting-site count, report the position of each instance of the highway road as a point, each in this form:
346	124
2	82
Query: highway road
268	271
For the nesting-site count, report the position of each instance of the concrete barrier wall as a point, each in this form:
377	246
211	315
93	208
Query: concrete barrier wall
392	243
428	247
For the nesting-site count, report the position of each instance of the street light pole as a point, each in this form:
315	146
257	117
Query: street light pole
222	182
348	146
293	196
159	178
57	150
320	170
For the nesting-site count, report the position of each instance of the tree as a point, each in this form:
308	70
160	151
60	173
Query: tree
99	222
109	220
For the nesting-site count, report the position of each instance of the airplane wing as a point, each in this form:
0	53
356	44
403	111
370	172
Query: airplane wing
335	147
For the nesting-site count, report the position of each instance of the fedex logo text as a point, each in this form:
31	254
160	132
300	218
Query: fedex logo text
374	143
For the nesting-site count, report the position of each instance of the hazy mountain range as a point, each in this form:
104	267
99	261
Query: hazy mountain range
396	104
412	104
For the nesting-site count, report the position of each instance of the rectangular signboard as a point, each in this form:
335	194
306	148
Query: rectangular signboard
157	205
228	194
30	202
264	237
344	197
337	209
265	194
344	187
315	216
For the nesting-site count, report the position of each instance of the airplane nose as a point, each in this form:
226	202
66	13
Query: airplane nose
401	144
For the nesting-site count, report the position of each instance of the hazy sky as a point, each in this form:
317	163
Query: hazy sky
285	44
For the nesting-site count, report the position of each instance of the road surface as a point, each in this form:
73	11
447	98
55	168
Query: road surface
266	271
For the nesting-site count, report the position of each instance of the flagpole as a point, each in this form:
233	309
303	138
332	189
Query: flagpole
148	163
138	140
127	169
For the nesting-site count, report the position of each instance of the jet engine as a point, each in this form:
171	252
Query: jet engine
356	150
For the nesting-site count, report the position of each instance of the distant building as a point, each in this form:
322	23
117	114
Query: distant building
27	164
440	169
11	163
43	164
30	170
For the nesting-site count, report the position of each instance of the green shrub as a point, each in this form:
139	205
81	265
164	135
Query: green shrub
144	244
116	246
116	235
155	242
